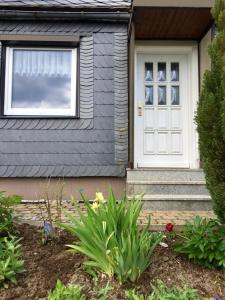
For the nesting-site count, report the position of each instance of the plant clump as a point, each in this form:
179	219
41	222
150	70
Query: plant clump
62	292
10	248
110	237
162	292
203	241
11	263
7	204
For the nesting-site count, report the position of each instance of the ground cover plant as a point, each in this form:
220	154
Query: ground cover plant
11	263
62	292
211	116
203	241
7	204
162	292
111	239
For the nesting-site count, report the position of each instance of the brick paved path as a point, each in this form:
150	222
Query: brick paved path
35	213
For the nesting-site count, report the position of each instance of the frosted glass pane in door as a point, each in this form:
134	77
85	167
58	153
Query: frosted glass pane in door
162	95
161	71
174	71
149	95
175	95
148	71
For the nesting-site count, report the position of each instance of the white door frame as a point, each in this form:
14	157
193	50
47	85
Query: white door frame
191	50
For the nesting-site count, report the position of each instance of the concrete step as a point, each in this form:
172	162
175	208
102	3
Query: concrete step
177	202
170	187
159	175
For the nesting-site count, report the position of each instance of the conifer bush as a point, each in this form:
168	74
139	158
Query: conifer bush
210	116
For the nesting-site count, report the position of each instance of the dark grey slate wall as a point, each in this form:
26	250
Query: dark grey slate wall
97	143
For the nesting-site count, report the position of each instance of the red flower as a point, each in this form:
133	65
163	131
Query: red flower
169	227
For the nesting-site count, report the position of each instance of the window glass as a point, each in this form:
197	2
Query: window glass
162	95
41	81
175	95
162	71
148	71
175	71
149	95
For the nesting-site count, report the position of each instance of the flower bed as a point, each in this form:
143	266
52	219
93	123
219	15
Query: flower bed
45	264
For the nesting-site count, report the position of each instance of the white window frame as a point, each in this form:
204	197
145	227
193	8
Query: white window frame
9	111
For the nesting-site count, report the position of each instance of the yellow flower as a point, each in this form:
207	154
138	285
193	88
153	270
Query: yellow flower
99	197
95	206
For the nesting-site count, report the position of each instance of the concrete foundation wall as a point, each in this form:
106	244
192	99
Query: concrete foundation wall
33	189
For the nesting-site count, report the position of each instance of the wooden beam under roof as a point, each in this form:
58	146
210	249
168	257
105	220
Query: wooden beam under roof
174	3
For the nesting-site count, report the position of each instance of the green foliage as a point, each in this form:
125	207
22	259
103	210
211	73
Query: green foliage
162	292
110	237
102	294
62	292
131	295
6	209
10	260
92	273
203	241
210	116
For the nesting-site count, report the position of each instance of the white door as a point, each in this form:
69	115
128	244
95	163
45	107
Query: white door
161	114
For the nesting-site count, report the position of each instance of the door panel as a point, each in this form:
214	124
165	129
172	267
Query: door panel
161	118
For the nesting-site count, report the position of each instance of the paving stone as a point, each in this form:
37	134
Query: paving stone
35	212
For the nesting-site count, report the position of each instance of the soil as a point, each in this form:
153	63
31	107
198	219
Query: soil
44	264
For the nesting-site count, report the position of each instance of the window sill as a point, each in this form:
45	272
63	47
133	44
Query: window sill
40	117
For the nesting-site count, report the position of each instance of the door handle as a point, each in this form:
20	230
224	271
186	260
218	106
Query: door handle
140	109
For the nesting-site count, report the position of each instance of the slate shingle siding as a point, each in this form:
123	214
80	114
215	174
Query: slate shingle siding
94	145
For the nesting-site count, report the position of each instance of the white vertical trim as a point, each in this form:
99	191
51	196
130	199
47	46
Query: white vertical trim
191	50
194	89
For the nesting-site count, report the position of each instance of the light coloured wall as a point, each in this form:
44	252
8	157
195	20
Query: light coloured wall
205	62
32	189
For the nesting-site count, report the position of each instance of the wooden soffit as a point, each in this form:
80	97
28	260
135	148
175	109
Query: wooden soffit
177	23
174	3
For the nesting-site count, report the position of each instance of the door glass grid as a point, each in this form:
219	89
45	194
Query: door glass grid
162	85
163	111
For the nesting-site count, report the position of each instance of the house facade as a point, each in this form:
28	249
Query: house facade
104	93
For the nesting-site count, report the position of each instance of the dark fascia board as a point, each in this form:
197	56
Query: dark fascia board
108	15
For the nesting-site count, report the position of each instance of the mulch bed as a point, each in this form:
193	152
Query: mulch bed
45	264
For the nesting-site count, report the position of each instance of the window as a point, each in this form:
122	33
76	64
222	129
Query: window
40	81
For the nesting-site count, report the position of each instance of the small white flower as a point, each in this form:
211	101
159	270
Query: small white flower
164	245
